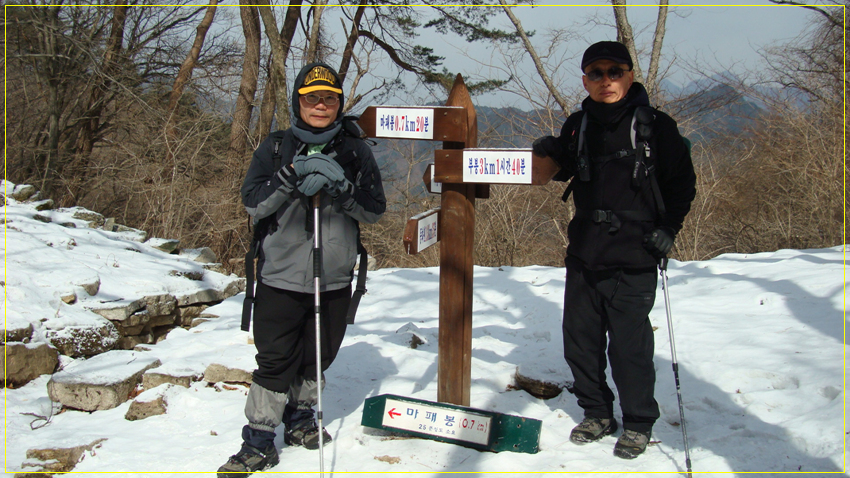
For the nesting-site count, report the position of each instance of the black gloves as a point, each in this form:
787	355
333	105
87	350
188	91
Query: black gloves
545	146
659	242
287	175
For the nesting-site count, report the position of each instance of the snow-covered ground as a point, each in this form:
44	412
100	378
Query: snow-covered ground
759	340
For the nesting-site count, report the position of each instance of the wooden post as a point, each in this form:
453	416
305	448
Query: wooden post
454	372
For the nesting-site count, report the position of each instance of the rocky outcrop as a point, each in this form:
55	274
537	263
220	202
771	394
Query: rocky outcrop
17	332
85	339
149	403
222	373
183	377
56	460
541	382
25	362
102	382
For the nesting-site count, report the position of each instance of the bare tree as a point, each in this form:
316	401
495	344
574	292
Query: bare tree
270	97
185	72
537	63
240	128
280	51
625	35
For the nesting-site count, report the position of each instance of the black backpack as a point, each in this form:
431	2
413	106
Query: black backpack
641	132
267	225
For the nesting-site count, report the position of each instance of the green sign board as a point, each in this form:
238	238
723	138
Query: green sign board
471	427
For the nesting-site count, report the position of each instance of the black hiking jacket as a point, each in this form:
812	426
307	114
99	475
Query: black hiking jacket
611	188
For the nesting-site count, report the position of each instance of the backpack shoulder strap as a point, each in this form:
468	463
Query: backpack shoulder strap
641	131
579	152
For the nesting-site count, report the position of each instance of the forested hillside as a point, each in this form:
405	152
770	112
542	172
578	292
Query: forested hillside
150	114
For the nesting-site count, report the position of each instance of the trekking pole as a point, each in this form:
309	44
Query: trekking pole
317	274
662	266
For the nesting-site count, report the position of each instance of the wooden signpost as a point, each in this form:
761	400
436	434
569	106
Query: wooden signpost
463	173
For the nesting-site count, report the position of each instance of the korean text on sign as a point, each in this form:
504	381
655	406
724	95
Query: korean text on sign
512	167
432	420
427	232
409	123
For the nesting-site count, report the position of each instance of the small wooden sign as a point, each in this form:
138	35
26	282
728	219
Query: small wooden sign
431	186
422	231
491	166
438	123
471	427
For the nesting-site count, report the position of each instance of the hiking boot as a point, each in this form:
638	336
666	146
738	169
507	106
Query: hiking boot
592	429
631	444
247	461
302	429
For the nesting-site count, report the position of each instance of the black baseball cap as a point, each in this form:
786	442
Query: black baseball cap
606	50
318	77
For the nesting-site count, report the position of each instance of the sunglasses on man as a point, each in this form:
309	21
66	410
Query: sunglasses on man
614	73
313	99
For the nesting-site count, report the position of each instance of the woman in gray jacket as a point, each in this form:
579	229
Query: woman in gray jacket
314	156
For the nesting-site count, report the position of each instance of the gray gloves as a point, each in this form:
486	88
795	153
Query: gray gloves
312	173
312	183
659	242
318	163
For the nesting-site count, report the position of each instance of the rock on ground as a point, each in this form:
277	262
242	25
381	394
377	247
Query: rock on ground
25	362
102	382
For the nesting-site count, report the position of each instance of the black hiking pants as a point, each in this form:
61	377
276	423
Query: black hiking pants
285	335
609	309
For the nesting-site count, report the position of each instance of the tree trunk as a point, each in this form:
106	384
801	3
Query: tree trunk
280	50
314	46
240	128
185	72
51	50
537	63
264	122
348	52
96	99
287	32
657	41
626	36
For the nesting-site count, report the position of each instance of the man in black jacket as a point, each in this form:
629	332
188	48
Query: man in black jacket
632	182
314	156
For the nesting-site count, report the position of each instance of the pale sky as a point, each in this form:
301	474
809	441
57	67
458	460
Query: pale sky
710	36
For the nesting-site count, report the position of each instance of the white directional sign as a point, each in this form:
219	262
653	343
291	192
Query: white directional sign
427	231
436	186
407	123
497	166
438	421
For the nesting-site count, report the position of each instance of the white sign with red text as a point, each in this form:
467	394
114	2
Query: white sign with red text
491	166
433	420
406	123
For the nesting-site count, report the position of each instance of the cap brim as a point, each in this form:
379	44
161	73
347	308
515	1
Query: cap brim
310	89
621	61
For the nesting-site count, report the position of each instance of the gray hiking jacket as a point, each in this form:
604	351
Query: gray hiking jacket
286	252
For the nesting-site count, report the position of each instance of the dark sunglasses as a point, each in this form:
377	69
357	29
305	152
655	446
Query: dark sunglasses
614	73
328	100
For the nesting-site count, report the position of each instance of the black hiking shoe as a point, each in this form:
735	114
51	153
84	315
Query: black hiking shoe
302	429
249	460
592	429
307	436
631	444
